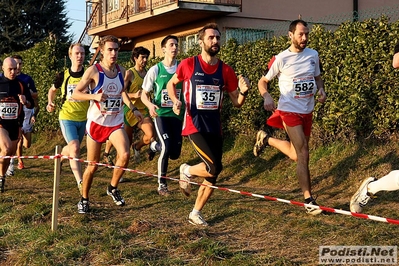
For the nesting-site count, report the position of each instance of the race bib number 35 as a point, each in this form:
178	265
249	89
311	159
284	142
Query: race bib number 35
304	87
208	97
9	110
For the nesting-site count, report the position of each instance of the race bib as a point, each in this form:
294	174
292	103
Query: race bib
208	97
9	110
304	87
70	89
112	105
166	101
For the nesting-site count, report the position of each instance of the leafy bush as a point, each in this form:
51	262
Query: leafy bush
357	72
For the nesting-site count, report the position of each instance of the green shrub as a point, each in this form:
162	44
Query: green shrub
357	71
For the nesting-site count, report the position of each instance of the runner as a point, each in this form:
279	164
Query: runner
72	115
167	124
105	117
13	96
205	78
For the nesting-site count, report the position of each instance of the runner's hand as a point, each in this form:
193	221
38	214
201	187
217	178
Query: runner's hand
176	107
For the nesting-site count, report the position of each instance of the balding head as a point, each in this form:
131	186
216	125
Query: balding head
10	68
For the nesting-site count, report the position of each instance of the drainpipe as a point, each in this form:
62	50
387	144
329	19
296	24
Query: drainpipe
355	10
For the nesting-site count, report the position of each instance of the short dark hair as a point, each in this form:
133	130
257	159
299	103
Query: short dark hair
17	56
167	38
201	32
108	38
293	24
137	51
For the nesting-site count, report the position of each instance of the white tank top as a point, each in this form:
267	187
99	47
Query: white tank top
110	112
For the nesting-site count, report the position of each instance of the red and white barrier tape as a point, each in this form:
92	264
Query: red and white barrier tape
327	209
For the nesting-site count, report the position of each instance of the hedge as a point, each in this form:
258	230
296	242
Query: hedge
360	81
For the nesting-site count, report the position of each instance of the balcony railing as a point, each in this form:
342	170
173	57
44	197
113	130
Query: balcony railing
114	10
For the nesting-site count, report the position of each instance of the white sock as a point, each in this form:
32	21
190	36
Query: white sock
390	182
12	161
153	146
194	211
186	171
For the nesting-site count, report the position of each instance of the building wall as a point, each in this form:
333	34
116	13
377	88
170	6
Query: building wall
261	14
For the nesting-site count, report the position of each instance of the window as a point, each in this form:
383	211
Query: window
113	5
188	42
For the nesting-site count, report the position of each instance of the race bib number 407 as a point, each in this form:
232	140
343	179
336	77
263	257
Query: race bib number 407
208	97
304	87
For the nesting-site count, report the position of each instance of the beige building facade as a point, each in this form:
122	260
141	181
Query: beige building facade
146	22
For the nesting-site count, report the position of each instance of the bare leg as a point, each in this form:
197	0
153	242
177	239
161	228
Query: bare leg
93	154
120	141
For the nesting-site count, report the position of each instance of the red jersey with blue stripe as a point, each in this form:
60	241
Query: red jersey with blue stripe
203	89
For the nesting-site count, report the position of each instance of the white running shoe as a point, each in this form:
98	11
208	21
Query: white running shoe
313	211
184	184
260	143
362	196
196	219
10	170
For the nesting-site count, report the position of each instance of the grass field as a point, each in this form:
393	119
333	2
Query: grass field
152	230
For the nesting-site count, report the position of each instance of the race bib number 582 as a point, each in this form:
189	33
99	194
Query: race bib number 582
304	87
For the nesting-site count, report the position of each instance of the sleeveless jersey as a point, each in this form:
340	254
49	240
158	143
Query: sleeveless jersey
161	97
204	98
108	113
72	110
11	109
135	87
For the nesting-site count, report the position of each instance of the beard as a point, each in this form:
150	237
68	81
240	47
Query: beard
211	51
299	46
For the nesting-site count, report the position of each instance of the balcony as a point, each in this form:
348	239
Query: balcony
133	18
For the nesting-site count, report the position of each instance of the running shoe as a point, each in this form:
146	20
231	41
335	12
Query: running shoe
362	196
21	165
136	153
10	170
116	196
107	158
311	210
2	183
260	143
163	191
150	154
83	206
184	184
196	219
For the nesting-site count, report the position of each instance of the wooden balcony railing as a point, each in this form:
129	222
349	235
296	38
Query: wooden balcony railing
111	10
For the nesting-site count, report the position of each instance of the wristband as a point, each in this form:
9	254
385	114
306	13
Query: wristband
244	93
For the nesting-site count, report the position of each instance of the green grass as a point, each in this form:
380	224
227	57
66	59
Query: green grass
151	230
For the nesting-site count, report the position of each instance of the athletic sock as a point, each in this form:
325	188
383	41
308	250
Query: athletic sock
194	211
110	188
186	171
309	200
153	146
